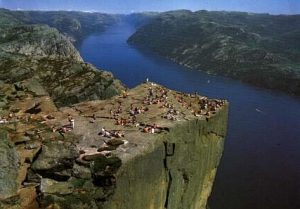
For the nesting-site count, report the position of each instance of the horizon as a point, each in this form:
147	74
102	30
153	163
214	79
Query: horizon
146	11
273	7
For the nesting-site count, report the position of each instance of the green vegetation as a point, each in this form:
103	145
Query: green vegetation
260	49
75	25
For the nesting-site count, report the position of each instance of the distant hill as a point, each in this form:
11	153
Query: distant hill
140	19
260	49
73	24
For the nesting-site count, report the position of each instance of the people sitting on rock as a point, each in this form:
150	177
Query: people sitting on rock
152	129
48	117
131	112
118	134
151	92
105	133
111	112
62	130
111	134
122	121
72	123
137	110
102	132
170	116
147	129
119	110
133	120
3	120
93	118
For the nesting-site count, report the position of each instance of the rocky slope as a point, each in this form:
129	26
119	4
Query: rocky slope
42	53
260	49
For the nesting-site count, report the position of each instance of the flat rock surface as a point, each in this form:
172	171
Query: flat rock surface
91	117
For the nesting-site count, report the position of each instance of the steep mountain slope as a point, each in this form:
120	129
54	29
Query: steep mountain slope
41	52
75	25
260	49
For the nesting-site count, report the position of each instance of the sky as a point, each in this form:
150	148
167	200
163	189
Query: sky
128	6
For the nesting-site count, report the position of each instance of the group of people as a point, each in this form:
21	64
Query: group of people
171	113
3	120
120	121
159	95
11	117
152	129
205	106
154	98
111	134
66	128
137	110
117	112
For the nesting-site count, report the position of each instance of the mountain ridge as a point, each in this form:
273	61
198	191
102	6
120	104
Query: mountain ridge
259	49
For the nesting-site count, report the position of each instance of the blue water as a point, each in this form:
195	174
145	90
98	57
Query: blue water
260	168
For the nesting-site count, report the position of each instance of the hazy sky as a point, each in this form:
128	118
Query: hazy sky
127	6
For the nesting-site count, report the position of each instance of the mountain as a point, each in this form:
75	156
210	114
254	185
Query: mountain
43	53
260	49
75	25
140	19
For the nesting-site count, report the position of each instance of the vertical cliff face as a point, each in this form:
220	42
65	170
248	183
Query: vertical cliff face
177	171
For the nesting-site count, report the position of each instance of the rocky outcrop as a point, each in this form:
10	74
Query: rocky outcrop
127	166
9	164
39	54
149	147
260	49
37	42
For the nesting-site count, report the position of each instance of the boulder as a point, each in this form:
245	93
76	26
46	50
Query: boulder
55	156
81	172
115	142
22	139
9	164
49	186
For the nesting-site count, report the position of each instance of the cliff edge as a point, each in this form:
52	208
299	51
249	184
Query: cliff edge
147	148
72	137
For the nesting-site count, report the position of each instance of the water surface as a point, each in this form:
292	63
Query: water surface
260	168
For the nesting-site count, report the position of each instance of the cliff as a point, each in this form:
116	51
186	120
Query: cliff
41	53
63	146
260	49
86	167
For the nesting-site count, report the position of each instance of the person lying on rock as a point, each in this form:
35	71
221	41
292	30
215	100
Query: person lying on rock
118	134
3	120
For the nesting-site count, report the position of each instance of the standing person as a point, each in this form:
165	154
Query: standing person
71	122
